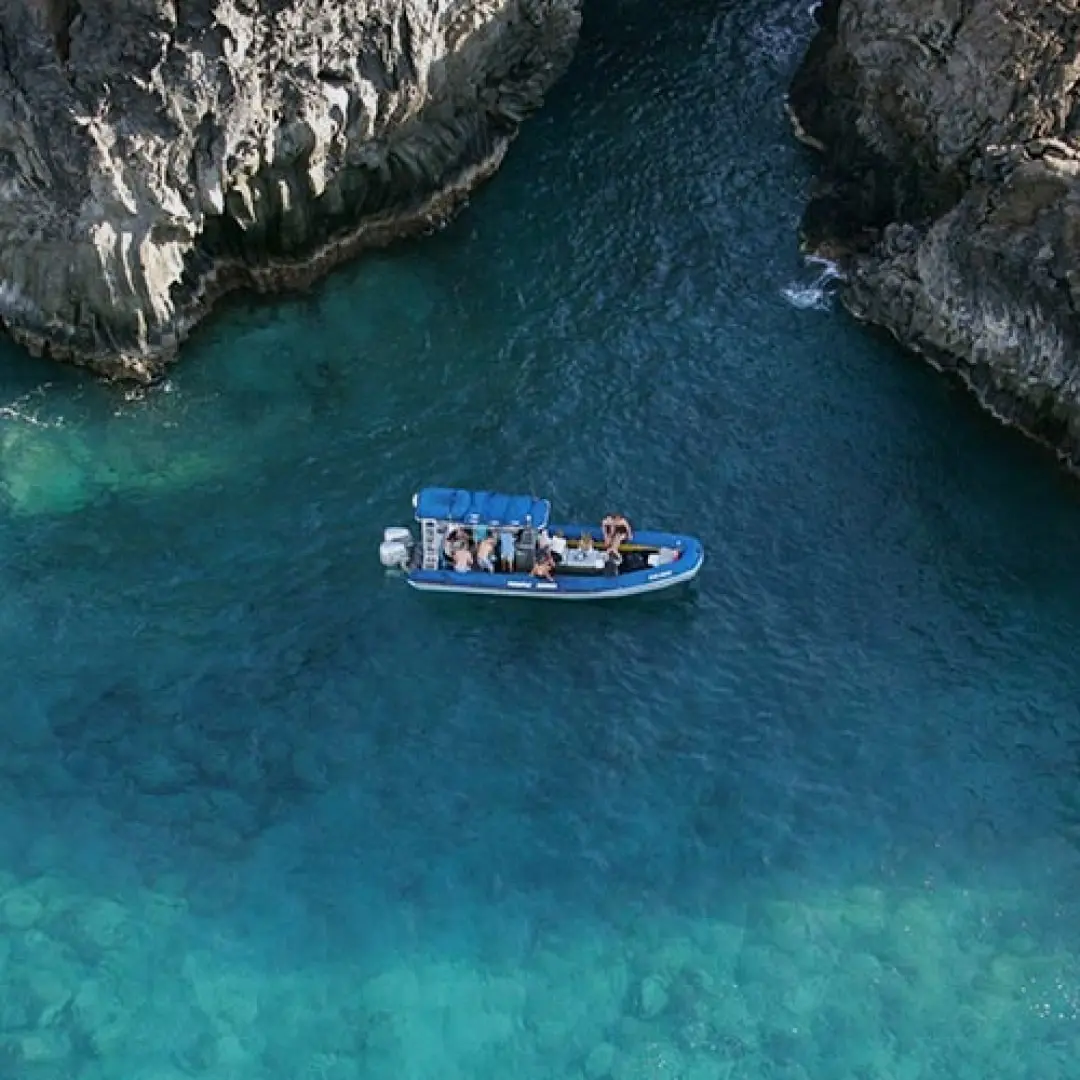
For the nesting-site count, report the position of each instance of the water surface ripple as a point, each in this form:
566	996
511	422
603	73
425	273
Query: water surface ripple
267	815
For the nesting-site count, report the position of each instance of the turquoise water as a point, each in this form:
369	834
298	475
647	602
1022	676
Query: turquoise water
266	814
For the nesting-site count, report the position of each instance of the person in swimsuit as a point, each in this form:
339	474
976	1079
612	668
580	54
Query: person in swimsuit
617	531
485	551
544	567
463	560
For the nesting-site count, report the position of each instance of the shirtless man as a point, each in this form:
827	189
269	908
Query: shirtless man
617	531
463	560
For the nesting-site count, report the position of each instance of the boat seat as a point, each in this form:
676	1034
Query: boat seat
663	556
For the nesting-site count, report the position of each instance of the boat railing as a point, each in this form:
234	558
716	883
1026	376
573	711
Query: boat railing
430	543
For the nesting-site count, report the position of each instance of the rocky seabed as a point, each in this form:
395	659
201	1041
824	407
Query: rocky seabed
866	982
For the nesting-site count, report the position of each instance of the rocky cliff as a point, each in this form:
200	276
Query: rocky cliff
950	132
156	153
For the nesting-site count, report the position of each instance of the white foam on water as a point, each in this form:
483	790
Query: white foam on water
816	295
781	37
22	410
776	40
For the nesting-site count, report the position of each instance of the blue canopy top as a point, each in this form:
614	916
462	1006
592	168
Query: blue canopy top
481	507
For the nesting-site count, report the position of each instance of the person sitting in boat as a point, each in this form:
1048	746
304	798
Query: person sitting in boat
585	544
506	551
485	552
544	567
612	560
463	559
617	531
456	539
552	545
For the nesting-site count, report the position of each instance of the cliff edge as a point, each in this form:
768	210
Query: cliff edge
156	153
950	133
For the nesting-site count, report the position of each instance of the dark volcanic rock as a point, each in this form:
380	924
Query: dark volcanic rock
155	153
950	131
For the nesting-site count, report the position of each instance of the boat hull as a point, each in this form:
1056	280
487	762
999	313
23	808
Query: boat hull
574	587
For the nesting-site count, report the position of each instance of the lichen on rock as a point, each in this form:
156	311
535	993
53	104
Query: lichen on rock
950	132
156	153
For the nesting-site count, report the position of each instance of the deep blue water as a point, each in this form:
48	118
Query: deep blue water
266	814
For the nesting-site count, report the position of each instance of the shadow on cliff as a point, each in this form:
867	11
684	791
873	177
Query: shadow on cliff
860	190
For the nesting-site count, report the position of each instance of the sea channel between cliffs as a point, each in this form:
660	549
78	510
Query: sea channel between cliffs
265	814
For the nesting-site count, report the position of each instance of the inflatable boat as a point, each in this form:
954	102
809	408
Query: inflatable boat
493	544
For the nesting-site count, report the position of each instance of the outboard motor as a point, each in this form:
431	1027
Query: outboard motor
396	548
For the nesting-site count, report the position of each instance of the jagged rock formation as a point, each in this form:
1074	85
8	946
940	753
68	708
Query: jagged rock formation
950	131
155	153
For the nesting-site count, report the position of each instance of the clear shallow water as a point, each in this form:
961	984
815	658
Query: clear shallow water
267	814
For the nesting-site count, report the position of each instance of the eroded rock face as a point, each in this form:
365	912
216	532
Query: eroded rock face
950	131
155	153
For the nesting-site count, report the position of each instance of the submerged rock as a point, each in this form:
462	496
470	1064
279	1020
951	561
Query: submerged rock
155	154
20	909
30	1048
652	997
101	924
101	1016
600	1061
950	133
